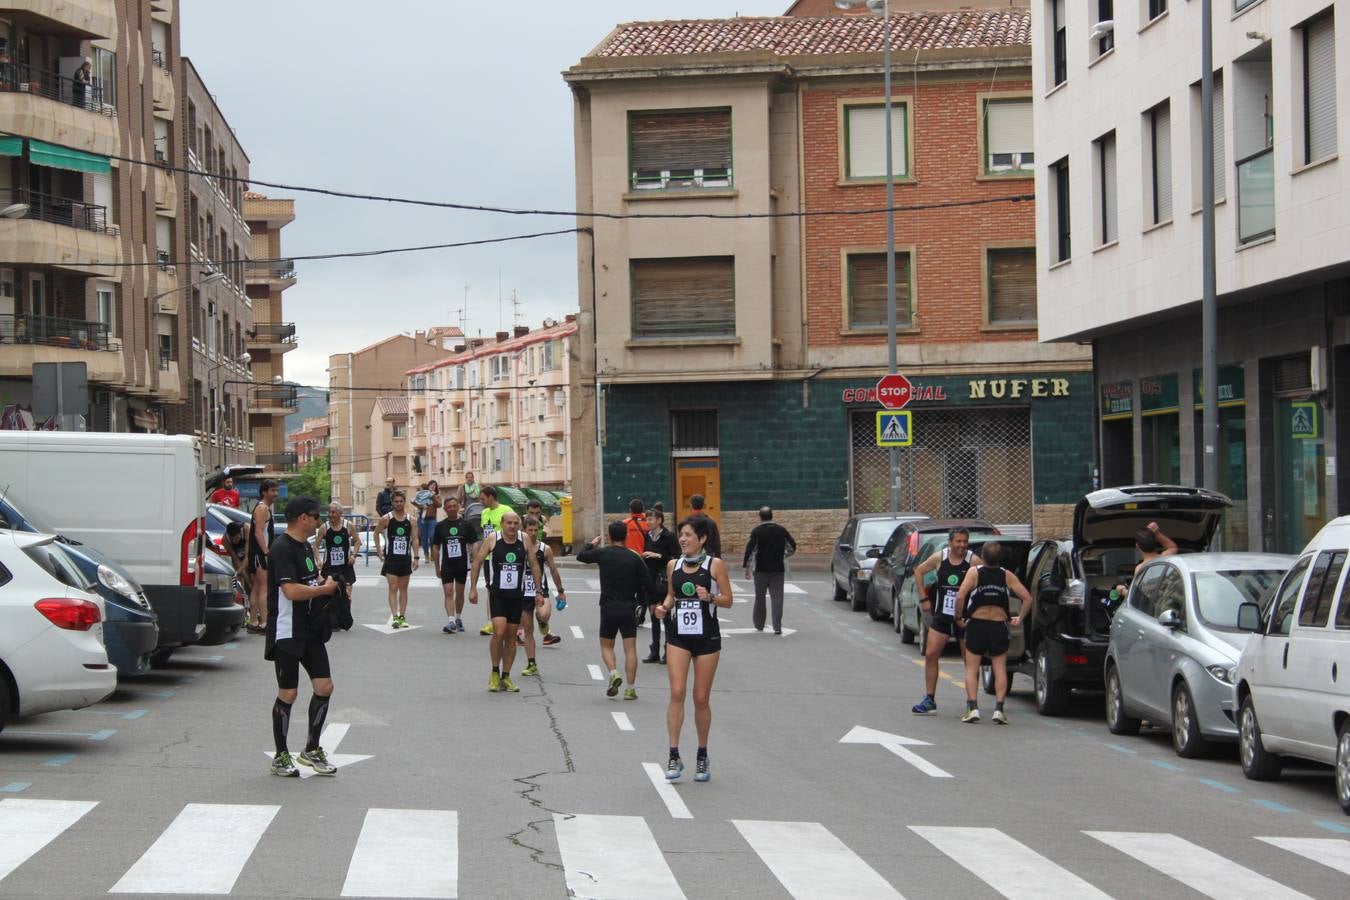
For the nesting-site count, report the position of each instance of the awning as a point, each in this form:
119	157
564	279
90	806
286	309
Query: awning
44	154
512	497
11	145
547	500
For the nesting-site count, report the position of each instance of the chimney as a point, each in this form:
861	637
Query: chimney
477	342
459	348
502	335
521	330
570	317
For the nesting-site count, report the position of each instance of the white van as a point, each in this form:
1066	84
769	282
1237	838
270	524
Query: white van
1288	692
138	498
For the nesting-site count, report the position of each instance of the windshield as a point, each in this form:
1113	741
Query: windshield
875	532
1219	594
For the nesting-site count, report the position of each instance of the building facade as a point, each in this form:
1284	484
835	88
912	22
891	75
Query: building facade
308	442
267	275
1118	132
389	455
776	326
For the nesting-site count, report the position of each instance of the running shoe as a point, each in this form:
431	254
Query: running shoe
550	639
630	693
448	628
924	707
402	621
531	669
971	717
283	765
486	630
317	760
674	769
701	772
615	682
494	683
1000	717
459	626
509	686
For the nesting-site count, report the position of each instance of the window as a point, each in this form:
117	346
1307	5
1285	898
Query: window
105	77
1158	150
549	356
1326	572
500	366
1106	19
1008	137
689	297
1059	37
1104	188
1319	88
1012	285
693	430
865	140
559	398
1220	148
107	305
1343	607
867	290
400	430
1144	595
1282	610
1059	179
1155	8
1171	594
679	149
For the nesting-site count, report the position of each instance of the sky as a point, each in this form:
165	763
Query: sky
433	99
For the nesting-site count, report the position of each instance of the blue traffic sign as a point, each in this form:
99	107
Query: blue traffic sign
895	428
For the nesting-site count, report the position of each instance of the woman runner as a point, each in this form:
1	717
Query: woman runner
400	559
696	585
983	610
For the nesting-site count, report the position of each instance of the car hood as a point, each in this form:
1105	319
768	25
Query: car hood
1110	517
1229	643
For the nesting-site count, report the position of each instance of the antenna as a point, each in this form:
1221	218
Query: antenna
499	299
517	317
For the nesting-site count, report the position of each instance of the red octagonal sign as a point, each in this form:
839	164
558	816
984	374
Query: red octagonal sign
894	391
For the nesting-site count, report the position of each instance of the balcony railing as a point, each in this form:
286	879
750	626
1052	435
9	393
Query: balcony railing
274	332
278	460
53	332
25	79
61	210
276	396
1256	196
283	268
157	57
165	357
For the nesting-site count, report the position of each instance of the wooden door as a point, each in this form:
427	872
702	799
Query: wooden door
699	476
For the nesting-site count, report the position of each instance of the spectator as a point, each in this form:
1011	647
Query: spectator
384	502
636	523
225	495
713	546
769	545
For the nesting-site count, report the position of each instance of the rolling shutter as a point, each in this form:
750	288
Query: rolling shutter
867	290
1220	173
1319	57
1012	285
666	145
1009	128
1162	162
693	297
866	127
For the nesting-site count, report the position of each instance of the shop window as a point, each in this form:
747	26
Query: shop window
1160	427
686	149
867	303
687	297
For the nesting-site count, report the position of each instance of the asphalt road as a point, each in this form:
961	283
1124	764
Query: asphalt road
446	790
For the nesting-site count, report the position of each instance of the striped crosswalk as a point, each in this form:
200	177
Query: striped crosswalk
205	847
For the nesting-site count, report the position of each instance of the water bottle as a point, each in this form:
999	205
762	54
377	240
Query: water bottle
560	603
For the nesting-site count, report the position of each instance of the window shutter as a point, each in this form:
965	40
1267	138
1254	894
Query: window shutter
1110	227
1320	80
867	290
1220	173
1012	285
692	297
867	141
1008	126
1291	374
677	144
1162	162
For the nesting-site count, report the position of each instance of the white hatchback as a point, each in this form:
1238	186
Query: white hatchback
51	630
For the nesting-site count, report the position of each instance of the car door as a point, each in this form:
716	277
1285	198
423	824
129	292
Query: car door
1130	631
839	562
884	574
1162	644
1042	563
1268	676
1312	690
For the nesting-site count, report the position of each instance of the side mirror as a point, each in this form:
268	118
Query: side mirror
1249	617
845	548
1169	618
874	553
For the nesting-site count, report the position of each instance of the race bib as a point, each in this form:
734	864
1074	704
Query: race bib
454	549
689	618
949	602
400	546
510	579
337	556
529	585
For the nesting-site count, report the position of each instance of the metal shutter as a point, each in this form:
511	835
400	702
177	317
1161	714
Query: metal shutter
1319	58
867	290
666	146
867	141
693	297
1291	374
1162	162
1009	126
1012	285
1110	227
1220	172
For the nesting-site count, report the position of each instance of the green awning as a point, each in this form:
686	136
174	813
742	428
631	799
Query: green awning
546	499
11	145
512	497
44	154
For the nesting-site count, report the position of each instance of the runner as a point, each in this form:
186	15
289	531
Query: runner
260	534
340	543
298	627
510	555
536	604
982	610
491	520
236	542
452	546
659	548
400	560
951	564
697	585
624	585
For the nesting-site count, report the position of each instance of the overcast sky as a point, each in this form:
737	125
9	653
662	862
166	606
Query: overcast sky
437	99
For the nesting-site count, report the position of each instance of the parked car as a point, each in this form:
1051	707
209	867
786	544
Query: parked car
1289	697
896	561
132	629
1063	647
850	566
51	630
1175	642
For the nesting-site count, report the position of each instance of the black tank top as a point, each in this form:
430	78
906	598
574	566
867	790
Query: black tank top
949	578
692	617
271	532
454	551
509	566
399	535
992	590
338	545
543	576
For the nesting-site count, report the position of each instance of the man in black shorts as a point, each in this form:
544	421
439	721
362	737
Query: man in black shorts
261	530
984	611
625	584
938	602
509	555
299	624
451	547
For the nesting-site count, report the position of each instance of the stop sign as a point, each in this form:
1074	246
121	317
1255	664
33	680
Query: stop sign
894	391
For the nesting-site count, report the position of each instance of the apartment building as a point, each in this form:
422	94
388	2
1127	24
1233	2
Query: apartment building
308	441
71	219
389	455
734	357
1118	138
356	381
267	275
498	408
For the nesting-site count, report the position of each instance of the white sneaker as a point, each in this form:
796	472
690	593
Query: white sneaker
1000	718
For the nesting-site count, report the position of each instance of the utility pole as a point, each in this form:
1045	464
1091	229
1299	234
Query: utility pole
1209	307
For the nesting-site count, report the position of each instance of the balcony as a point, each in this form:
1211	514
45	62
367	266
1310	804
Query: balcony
170	381
86	19
27	339
167	294
162	10
1256	196
275	336
39	104
277	273
162	91
58	231
287	460
166	189
274	400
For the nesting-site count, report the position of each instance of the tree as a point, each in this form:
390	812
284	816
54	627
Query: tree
312	481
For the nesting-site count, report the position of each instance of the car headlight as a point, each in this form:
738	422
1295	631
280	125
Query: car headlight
218	581
121	586
1223	674
864	574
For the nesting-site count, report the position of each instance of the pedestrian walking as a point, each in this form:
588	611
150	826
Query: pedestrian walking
339	544
428	504
396	546
469	490
225	495
261	530
491	521
659	549
536	606
624	584
766	553
299	624
452	547
697	585
384	500
696	511
509	555
983	611
938	603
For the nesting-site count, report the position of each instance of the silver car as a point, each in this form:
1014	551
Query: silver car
1175	643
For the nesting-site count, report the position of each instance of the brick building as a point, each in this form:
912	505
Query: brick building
308	441
269	340
787	326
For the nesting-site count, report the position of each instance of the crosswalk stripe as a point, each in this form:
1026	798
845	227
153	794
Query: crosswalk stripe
576	633
613	858
809	861
1008	866
596	674
201	852
26	826
1332	852
1194	866
405	853
666	791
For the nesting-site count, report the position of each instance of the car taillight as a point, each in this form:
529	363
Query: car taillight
219	545
69	613
1074	659
913	545
191	553
1075	593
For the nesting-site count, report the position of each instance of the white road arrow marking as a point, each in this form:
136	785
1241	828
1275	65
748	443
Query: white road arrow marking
897	745
386	628
330	739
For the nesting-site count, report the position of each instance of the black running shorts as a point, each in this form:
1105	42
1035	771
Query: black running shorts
344	574
617	620
507	607
313	656
946	625
987	637
694	646
397	566
451	575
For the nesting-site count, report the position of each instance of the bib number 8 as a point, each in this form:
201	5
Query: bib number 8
510	578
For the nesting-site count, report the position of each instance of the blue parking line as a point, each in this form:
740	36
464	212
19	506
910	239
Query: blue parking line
1164	764
103	735
15	787
1219	785
1333	826
60	760
1120	749
1272	805
134	714
232	645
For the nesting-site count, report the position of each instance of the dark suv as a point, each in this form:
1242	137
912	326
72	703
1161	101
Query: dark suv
895	562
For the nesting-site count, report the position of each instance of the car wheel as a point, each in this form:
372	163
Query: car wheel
1117	720
1052	697
873	608
1186	737
858	600
1257	763
987	679
840	595
1343	767
160	657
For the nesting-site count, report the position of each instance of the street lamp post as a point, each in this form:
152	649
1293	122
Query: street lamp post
883	8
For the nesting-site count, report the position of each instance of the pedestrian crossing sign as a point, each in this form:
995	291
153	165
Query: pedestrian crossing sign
895	428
